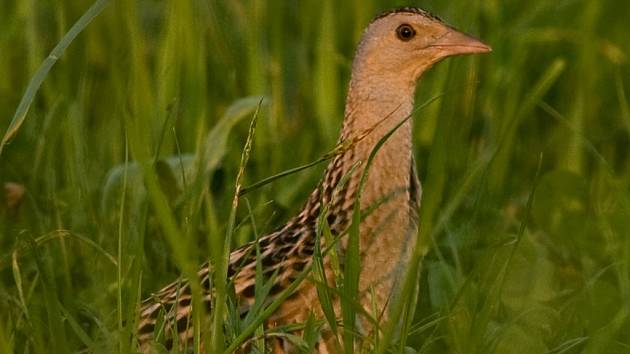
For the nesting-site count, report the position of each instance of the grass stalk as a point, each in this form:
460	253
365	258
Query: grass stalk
42	72
221	258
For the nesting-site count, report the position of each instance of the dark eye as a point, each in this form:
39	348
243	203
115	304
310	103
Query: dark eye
405	32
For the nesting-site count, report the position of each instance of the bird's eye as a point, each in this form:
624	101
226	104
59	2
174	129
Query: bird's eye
405	32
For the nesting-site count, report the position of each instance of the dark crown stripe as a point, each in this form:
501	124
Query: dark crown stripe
411	10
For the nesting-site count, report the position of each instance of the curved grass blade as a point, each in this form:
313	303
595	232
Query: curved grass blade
44	68
58	234
352	258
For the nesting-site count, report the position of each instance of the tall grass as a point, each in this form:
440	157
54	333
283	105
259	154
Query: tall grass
524	159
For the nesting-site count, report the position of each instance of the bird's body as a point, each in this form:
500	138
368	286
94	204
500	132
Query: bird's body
396	48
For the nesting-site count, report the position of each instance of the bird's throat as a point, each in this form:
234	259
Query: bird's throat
372	113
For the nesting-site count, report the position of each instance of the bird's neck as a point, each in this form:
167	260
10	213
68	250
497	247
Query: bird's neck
373	108
372	111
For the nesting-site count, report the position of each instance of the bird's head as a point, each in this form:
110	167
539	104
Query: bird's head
407	41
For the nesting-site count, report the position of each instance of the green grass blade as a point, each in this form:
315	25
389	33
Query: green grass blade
327	81
122	342
17	277
623	101
6	344
78	330
42	71
352	257
543	84
319	272
222	247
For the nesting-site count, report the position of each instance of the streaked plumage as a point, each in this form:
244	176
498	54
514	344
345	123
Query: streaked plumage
397	47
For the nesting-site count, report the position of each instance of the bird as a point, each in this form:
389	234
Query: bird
395	49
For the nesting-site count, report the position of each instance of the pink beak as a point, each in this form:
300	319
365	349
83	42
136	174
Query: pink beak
455	42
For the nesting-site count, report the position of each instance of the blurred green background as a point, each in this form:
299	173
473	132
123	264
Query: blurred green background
545	115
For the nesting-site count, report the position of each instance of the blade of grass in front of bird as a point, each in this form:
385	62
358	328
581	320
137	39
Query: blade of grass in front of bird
319	273
352	261
268	311
261	290
422	244
321	281
211	153
338	149
165	216
256	185
311	333
222	247
135	316
273	306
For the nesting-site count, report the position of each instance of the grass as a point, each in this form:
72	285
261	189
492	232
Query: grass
524	159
